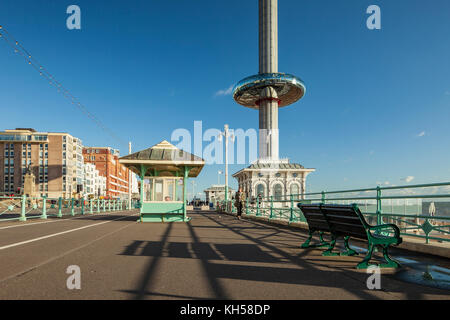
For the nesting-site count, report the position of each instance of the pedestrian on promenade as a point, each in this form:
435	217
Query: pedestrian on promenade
239	202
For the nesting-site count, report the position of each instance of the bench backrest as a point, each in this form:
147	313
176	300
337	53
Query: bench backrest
341	220
315	218
345	220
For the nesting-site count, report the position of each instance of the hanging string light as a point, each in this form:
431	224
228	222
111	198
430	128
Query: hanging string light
18	48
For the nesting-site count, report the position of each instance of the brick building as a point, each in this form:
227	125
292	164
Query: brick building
106	161
55	159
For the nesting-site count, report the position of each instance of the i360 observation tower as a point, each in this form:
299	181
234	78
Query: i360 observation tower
267	91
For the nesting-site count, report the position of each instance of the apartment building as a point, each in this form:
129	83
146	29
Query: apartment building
94	183
54	158
106	161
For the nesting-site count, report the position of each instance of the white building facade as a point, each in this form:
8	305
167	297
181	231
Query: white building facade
276	180
94	183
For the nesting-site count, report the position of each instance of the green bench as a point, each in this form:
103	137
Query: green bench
347	221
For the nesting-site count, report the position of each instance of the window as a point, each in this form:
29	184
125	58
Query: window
168	192
278	192
167	189
179	189
295	189
148	189
260	190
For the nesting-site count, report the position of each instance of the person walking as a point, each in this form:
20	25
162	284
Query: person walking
239	202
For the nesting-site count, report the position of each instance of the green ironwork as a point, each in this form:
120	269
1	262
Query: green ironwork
72	209
22	212
377	205
331	220
322	243
44	208
60	207
271	208
82	206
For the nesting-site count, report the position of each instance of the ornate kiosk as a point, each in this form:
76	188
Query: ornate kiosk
164	170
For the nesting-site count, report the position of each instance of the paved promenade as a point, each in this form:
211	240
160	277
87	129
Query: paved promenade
212	257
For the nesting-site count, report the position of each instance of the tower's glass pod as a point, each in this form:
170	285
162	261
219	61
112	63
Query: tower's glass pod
289	88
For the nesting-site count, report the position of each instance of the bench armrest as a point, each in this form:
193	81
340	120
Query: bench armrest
387	226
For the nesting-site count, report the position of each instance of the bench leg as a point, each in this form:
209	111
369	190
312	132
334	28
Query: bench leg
322	243
331	245
348	251
365	263
390	263
307	244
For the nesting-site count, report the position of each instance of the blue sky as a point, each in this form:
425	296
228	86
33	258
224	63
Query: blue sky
377	106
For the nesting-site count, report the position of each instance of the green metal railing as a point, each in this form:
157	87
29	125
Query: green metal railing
22	208
409	207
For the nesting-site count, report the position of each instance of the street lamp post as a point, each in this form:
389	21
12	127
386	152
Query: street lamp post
130	180
226	133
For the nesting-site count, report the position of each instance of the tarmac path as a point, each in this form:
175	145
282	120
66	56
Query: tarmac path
212	257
